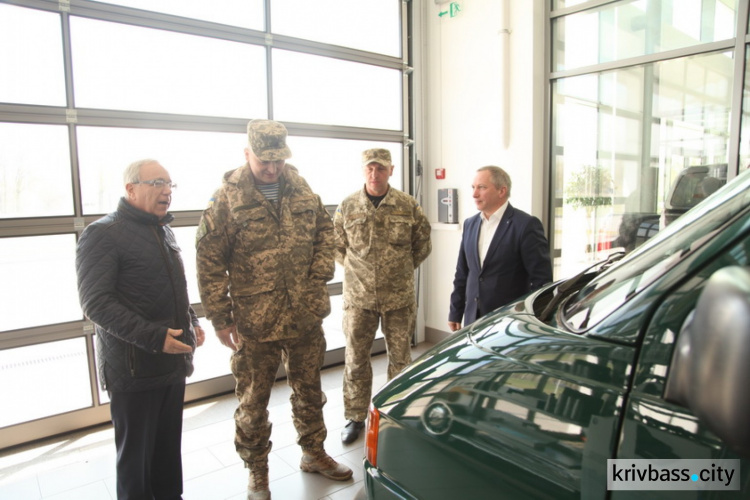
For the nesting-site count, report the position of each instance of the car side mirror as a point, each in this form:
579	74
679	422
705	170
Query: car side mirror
710	369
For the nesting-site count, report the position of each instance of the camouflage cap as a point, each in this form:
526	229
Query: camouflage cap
267	139
377	155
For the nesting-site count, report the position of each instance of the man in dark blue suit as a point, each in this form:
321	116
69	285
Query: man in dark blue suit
504	253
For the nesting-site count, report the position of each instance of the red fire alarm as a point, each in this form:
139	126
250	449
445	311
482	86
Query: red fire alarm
439	173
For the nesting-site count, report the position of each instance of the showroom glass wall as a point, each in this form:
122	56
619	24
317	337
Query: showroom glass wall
646	115
88	87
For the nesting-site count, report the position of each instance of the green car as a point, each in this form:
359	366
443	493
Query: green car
642	358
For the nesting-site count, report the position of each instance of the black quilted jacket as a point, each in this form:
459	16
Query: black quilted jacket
131	283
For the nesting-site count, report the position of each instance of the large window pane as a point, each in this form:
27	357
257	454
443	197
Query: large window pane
745	127
333	324
640	27
211	360
186	239
42	380
627	145
196	161
31	57
38	281
35	171
122	72
333	167
359	24
242	13
116	66
315	89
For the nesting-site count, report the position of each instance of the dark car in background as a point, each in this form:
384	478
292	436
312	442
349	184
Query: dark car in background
638	357
630	230
625	232
692	186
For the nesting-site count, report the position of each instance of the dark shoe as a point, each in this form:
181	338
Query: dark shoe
350	433
324	465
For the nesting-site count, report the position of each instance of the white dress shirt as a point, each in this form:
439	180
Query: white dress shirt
487	231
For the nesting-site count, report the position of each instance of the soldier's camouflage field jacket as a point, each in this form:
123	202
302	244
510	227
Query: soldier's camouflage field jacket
265	268
380	248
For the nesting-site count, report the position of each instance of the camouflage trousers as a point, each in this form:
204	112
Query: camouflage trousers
360	326
254	367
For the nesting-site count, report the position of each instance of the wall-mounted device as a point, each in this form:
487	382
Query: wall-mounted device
448	206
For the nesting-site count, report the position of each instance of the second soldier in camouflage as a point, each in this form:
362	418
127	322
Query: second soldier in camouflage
381	237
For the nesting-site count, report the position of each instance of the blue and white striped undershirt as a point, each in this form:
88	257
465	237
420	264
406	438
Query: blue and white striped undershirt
270	191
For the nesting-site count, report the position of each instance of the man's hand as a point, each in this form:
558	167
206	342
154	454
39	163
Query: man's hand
200	335
174	346
454	326
228	337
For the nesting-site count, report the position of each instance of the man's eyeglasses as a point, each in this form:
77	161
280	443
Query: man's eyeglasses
158	183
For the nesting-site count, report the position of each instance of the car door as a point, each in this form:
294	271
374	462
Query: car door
653	427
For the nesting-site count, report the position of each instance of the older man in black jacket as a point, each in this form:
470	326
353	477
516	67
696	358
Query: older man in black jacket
131	283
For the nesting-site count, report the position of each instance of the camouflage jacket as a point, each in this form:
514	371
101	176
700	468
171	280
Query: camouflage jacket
380	248
263	268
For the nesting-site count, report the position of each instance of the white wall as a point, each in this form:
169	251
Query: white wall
462	109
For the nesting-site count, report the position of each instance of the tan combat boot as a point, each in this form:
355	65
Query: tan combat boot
257	487
319	461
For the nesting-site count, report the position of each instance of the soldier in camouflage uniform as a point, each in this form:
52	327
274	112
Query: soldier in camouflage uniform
382	236
265	253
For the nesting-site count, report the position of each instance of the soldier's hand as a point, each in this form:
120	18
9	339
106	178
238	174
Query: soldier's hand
454	325
174	346
228	337
200	336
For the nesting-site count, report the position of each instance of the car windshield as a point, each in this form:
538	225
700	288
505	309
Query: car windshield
608	291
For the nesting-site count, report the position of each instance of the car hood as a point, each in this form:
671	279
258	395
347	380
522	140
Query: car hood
508	400
511	338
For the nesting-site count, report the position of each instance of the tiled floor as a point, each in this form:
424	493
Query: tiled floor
81	466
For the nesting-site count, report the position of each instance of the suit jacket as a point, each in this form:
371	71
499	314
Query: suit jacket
517	262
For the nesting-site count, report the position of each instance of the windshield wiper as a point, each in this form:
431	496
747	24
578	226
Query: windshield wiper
570	285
